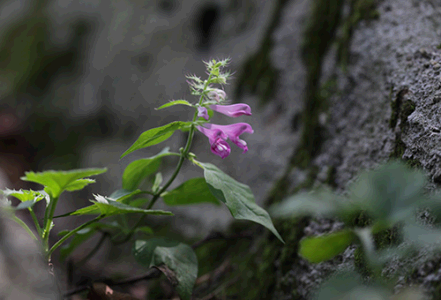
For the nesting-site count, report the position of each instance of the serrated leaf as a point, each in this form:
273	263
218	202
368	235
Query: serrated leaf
193	191
175	102
112	208
24	195
316	249
118	195
176	260
56	182
155	136
390	193
79	184
139	169
237	197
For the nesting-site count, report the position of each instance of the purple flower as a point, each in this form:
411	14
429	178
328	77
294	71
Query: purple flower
235	110
232	131
202	112
217	141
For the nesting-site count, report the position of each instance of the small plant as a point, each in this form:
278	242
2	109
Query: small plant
176	260
389	196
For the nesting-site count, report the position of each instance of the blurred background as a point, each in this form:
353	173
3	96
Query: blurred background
79	81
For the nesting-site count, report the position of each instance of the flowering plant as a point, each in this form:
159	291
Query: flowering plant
177	260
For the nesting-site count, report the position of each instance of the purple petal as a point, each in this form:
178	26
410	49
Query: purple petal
220	148
235	110
202	112
233	132
212	134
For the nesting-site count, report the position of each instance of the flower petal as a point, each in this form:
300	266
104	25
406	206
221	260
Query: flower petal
233	131
235	110
220	148
202	112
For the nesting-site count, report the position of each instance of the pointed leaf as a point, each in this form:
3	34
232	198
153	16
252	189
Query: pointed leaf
56	182
155	136
139	169
175	102
193	191
176	260
237	197
321	248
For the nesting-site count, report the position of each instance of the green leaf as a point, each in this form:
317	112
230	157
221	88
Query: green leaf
349	285
80	237
237	197
175	102
118	195
144	229
316	249
155	136
315	203
157	183
109	208
56	182
24	195
390	193
176	260
193	191
79	184
139	169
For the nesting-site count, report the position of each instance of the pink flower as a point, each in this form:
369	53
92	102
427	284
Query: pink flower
202	112
217	141
232	131
235	110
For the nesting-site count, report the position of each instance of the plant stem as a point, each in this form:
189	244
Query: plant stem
26	227
48	221
34	218
182	157
60	241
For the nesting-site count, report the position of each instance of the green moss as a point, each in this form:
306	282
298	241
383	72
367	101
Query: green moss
258	74
359	10
401	109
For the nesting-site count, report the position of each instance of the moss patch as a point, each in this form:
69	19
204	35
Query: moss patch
359	10
258	75
401	109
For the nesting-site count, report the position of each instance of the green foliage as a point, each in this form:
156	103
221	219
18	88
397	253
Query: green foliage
109	207
24	195
173	103
139	169
56	182
325	247
237	197
349	286
176	260
193	191
155	136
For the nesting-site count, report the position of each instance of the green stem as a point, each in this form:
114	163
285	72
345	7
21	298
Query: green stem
48	220
34	218
26	227
71	233
183	155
